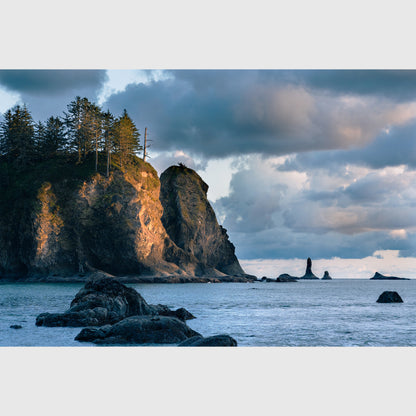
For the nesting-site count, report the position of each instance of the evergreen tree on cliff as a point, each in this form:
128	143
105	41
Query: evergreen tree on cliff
126	138
52	141
80	123
17	135
108	135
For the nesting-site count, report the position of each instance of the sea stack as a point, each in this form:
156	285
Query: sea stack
308	273
379	276
326	276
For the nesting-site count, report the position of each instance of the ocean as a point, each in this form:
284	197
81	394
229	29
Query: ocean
341	312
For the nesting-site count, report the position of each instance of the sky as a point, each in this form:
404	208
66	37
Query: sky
307	163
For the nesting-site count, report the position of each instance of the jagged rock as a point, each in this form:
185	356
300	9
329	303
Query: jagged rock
104	300
326	276
214	341
308	273
139	330
16	326
379	276
191	223
389	297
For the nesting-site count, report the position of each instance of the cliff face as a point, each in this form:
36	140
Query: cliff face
116	224
191	223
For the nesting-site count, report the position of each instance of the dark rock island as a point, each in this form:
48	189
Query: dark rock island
389	297
326	276
379	276
60	223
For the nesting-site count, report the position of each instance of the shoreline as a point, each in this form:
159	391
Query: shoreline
135	279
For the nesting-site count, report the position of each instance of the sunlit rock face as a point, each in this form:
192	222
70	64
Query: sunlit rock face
123	225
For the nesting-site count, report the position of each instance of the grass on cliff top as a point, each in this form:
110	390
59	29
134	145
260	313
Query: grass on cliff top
63	171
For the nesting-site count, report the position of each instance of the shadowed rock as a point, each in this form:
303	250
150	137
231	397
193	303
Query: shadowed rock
326	276
283	278
214	341
379	276
139	330
389	297
308	273
104	300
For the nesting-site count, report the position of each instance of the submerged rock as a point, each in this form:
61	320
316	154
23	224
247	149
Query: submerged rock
389	297
139	330
326	276
308	273
104	300
379	276
214	341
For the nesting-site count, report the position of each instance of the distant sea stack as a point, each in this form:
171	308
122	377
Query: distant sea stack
66	220
379	276
308	273
326	276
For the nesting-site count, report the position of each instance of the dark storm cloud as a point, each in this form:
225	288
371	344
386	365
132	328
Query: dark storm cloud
393	84
51	82
47	92
222	113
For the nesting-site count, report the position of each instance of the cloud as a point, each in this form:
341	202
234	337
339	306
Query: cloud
223	113
47	92
46	82
348	212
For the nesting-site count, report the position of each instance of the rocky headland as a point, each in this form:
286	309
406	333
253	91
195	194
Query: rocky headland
60	224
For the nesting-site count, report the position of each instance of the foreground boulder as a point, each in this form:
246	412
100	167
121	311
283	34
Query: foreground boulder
103	300
389	297
214	341
139	330
379	276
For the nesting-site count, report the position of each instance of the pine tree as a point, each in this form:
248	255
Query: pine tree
54	139
78	121
126	138
17	136
108	134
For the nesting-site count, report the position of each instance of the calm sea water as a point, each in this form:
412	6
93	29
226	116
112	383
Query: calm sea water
340	312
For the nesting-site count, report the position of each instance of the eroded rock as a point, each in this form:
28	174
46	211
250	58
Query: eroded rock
104	300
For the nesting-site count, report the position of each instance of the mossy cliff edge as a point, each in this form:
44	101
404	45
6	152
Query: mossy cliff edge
60	221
